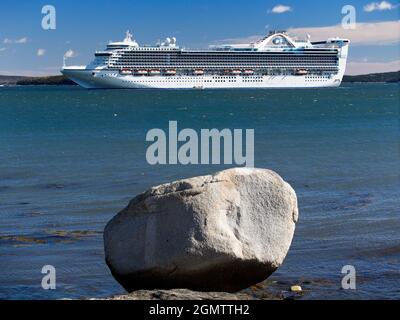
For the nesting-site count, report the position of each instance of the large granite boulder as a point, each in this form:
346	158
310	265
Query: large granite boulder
221	232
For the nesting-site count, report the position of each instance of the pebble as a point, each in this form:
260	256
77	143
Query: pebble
296	289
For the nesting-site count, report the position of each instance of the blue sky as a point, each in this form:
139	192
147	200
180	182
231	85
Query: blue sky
86	26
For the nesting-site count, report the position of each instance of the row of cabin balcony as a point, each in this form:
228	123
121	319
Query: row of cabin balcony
223	70
224	65
224	61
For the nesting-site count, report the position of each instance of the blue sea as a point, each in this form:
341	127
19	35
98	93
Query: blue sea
70	159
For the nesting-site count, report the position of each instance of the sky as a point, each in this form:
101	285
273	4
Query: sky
83	27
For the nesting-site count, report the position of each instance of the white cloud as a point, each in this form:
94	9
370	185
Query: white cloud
249	39
3	49
379	6
378	33
17	41
41	52
365	67
280	8
70	54
22	40
386	32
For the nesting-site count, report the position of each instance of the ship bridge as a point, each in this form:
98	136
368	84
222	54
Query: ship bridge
126	43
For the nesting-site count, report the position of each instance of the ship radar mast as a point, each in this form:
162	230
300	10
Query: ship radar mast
128	40
128	36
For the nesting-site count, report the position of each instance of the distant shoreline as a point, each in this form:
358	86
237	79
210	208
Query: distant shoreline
385	77
22	80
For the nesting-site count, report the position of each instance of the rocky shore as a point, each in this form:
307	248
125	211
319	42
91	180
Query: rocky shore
214	235
272	290
180	294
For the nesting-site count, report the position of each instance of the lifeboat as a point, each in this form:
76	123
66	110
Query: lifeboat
198	72
170	72
300	72
248	72
154	72
141	72
236	72
125	71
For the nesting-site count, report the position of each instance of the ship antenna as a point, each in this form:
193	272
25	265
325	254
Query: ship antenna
128	36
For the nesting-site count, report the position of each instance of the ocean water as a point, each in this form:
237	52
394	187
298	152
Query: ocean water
70	159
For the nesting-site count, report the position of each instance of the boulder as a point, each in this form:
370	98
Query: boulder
221	232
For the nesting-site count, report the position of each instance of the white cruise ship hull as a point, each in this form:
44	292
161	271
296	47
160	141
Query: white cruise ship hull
92	79
276	61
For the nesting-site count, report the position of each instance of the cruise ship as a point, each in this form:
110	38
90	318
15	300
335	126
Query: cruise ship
275	61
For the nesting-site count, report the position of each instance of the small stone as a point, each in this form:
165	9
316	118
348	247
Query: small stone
296	288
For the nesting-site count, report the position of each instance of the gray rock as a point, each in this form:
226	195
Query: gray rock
221	232
180	294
